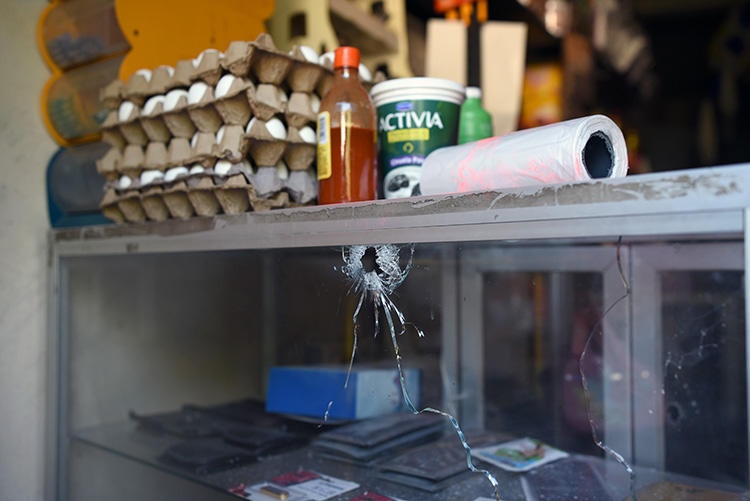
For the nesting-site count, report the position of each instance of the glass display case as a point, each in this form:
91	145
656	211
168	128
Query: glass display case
281	355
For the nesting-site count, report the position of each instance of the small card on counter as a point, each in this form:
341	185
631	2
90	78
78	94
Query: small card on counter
520	455
301	485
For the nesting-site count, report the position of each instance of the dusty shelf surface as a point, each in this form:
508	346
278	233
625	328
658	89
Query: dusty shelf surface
679	202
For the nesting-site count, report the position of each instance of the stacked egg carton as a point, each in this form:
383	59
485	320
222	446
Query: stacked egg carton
224	132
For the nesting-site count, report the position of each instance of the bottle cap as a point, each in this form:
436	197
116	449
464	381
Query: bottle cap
346	57
473	92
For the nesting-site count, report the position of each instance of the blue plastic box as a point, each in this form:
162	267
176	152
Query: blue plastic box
306	391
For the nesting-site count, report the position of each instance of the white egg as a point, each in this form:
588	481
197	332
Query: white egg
307	134
327	59
197	61
197	169
150	105
220	134
309	53
364	73
223	86
124	182
149	176
196	92
276	128
250	125
175	172
315	103
144	73
222	167
125	110
194	140
282	170
173	97
170	70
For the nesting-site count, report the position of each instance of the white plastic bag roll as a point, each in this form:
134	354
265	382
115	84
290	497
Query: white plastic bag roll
576	150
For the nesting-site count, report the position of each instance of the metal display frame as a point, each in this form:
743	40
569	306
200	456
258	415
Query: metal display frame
700	204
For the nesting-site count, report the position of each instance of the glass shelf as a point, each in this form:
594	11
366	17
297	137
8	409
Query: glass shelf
126	439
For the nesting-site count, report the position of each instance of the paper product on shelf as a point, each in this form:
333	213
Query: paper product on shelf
238	57
301	149
231	100
136	89
575	150
109	164
208	66
130	126
175	114
184	73
155	156
153	203
201	108
132	160
111	133
161	80
270	65
265	146
300	110
305	71
266	100
179	152
151	120
302	186
111	94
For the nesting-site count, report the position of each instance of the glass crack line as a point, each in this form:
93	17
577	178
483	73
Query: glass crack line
377	284
584	382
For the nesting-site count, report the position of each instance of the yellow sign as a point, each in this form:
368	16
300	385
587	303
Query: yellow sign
396	136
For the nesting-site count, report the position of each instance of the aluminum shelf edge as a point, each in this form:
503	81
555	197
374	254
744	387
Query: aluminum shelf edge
673	203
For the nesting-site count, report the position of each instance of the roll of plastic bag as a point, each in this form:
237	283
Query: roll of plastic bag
575	150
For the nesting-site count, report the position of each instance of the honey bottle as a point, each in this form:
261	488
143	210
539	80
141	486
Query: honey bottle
347	135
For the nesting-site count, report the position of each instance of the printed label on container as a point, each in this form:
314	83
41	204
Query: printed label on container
324	145
408	132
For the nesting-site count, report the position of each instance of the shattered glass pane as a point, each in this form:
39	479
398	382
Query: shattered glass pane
704	392
374	279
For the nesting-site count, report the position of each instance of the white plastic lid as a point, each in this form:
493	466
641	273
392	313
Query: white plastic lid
403	89
473	92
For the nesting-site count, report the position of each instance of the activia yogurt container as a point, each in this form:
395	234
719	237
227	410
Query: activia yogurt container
415	116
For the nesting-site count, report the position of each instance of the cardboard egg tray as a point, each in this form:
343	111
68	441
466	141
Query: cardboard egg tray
204	189
224	132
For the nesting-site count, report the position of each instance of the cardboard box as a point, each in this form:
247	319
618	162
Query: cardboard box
502	60
371	392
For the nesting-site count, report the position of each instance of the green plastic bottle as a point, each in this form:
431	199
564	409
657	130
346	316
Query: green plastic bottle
474	122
